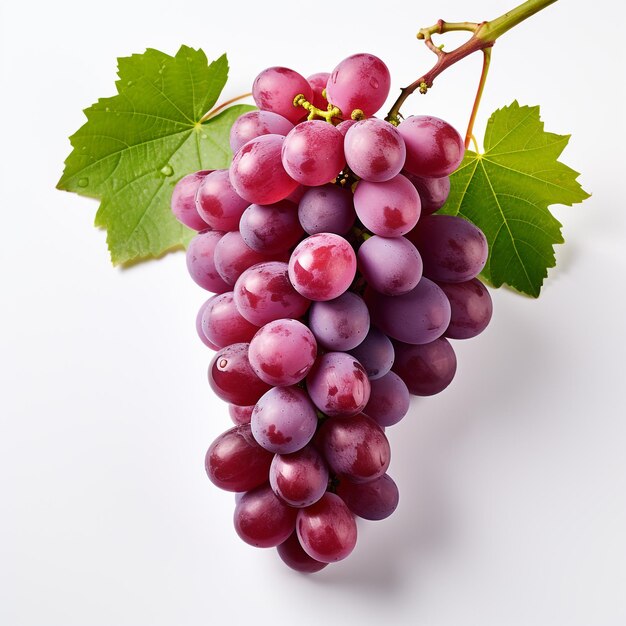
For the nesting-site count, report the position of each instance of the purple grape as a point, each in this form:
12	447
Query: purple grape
183	201
361	81
427	369
327	530
471	308
389	400
374	150
293	555
284	420
232	378
355	447
240	414
233	256
338	384
257	173
263	294
312	153
375	500
453	249
318	84
262	519
433	147
433	192
236	462
301	478
390	208
375	353
326	209
217	202
340	324
223	324
322	266
275	88
419	316
205	340
201	261
390	265
256	123
283	352
272	228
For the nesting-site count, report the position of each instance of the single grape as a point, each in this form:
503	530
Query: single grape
390	265
271	229
236	462
362	82
284	420
427	369
232	378
201	261
183	201
256	123
262	519
293	555
240	414
471	308
326	209
217	202
312	153
340	324
374	353
355	447
275	88
389	400
327	530
374	150
318	84
345	126
203	337
338	384
301	478
283	352
257	173
322	266
375	500
233	256
390	208
263	294
419	316
433	147
223	324
433	192
453	249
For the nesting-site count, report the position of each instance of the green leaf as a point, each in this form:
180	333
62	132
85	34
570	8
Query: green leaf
506	192
136	145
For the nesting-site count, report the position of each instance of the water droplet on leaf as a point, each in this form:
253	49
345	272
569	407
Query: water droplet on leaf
83	182
167	170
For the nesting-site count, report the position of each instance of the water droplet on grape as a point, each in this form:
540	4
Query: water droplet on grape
167	170
83	182
373	83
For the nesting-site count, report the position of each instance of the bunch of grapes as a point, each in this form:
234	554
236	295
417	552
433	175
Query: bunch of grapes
337	288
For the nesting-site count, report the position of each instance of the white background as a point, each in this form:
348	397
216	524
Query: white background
513	481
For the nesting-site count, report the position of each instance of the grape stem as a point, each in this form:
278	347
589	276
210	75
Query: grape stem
484	35
214	111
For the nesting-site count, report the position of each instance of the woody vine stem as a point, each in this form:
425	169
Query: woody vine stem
484	35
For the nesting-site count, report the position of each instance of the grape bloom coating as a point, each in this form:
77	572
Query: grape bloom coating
338	290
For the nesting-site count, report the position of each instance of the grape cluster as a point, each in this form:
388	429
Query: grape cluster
337	288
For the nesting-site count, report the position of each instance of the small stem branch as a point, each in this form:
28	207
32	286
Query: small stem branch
211	113
483	37
479	92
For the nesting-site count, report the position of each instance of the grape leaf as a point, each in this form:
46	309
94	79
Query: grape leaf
506	192
136	145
